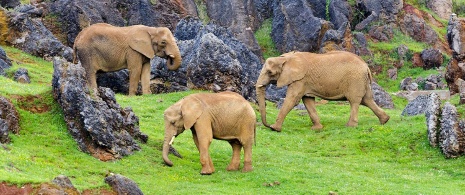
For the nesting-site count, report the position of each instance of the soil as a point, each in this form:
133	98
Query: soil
8	189
32	103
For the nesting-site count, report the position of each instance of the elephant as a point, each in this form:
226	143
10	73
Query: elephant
103	47
337	75
223	116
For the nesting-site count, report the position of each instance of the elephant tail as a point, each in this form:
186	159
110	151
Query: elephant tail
370	77
75	60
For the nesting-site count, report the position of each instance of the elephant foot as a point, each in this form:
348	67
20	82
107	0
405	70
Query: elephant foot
247	167
274	127
317	127
351	124
206	171
232	167
384	119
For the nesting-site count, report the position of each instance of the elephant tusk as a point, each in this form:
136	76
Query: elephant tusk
259	85
172	139
171	56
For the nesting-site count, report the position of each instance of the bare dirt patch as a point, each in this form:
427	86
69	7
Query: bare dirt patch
32	103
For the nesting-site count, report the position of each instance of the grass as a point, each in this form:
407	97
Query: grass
370	159
263	36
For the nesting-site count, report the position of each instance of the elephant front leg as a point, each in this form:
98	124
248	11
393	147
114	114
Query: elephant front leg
309	103
203	140
293	96
145	78
236	156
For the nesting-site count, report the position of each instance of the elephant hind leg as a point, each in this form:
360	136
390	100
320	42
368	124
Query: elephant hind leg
309	103
353	120
236	156
370	103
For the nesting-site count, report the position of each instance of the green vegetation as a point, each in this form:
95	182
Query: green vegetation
458	7
202	11
263	36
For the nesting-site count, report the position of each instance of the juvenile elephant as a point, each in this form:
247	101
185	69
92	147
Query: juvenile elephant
224	116
103	47
335	75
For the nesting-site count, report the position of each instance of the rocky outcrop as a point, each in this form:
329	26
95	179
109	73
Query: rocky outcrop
240	17
443	8
98	124
452	132
5	62
30	35
432	114
9	120
211	59
413	24
123	185
455	69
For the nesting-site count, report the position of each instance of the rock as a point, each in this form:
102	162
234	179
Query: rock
9	120
387	7
360	44
30	10
340	39
122	185
98	124
451	135
411	95
295	27
339	13
381	97
408	84
455	70
455	38
22	76
417	61
168	12
392	73
5	62
416	106
239	17
211	59
416	27
31	36
432	114
9	3
264	8
367	21
381	33
443	8
60	185
462	98
432	58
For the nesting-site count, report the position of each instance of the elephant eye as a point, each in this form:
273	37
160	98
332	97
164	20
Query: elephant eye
163	43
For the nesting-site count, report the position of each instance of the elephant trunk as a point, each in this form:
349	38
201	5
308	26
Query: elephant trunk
261	103
166	148
174	59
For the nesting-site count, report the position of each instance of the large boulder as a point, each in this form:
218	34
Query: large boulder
416	27
452	132
212	59
5	62
98	124
417	106
9	3
432	58
432	115
30	35
122	185
455	69
443	8
381	97
9	120
295	26
240	17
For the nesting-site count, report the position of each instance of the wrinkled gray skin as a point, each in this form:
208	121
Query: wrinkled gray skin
224	116
103	47
333	76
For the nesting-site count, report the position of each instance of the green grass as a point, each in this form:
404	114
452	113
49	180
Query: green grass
263	36
370	159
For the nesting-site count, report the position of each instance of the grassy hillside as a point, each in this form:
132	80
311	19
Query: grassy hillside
370	159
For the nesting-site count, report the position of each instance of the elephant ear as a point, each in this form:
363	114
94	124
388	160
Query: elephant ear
292	70
191	110
141	41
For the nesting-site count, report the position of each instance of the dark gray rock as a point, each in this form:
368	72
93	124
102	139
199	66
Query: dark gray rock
432	58
417	106
22	76
455	29
5	62
381	33
418	29
31	36
9	120
75	15
264	8
30	10
381	97
123	185
451	135
386	7
432	115
392	73
212	59
407	84
9	3
63	182
295	26
367	21
339	12
98	124
361	44
240	17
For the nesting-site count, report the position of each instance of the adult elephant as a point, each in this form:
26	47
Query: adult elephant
224	116
335	75
103	47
